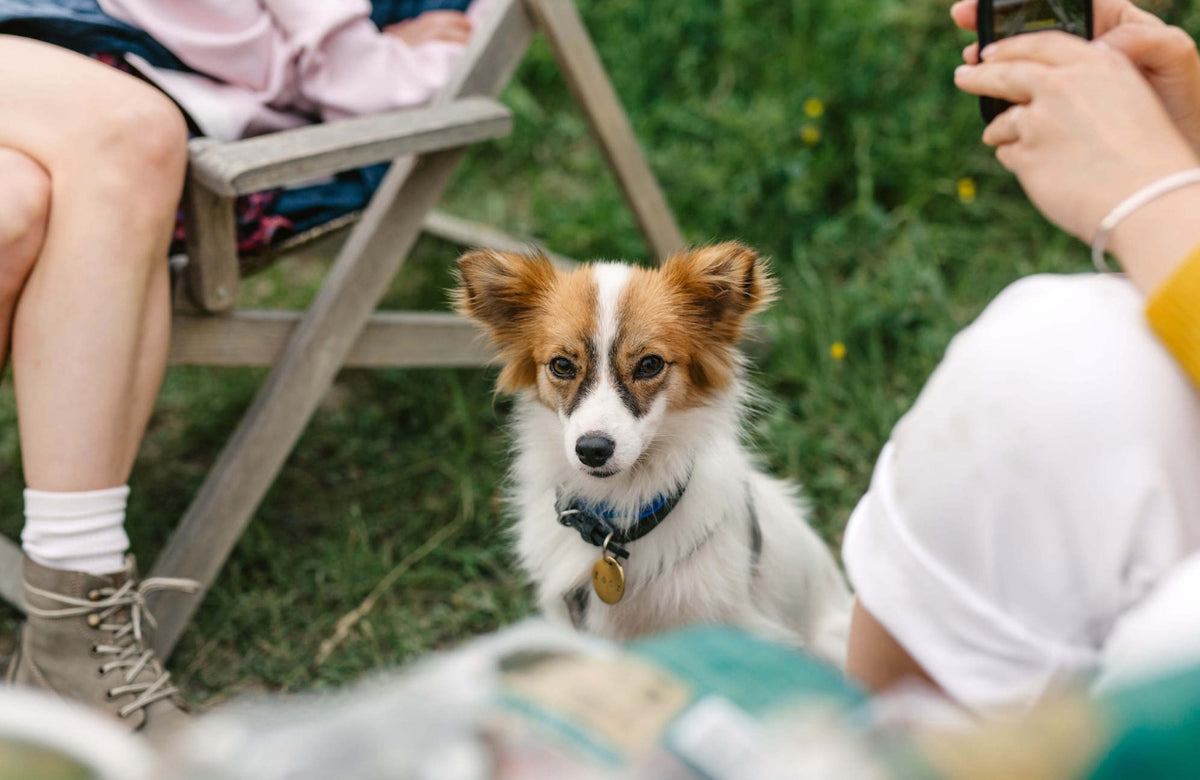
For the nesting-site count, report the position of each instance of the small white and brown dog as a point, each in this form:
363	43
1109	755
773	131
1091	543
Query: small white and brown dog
638	507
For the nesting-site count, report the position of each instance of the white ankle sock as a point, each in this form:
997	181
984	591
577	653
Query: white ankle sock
77	531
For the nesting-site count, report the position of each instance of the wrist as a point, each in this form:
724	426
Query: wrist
1155	238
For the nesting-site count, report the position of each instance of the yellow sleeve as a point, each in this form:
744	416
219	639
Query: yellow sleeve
1174	314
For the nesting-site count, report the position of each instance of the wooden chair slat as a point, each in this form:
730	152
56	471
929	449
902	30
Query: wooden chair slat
310	152
389	340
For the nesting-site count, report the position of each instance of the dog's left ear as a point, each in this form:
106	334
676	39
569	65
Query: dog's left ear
724	284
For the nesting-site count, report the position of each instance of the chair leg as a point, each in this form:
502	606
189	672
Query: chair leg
560	22
212	269
12	586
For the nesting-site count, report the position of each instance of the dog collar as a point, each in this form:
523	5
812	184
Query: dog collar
577	600
594	522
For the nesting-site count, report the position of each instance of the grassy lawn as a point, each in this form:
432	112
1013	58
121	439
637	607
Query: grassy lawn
825	133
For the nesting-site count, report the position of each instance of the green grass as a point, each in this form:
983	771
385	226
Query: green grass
866	232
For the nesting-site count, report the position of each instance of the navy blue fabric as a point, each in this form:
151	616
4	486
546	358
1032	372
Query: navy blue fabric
316	204
385	12
81	25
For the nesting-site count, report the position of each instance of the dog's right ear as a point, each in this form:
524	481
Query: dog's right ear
499	290
504	292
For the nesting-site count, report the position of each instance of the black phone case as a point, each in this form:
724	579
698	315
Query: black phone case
991	107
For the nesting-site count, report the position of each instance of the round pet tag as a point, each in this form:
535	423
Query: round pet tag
608	580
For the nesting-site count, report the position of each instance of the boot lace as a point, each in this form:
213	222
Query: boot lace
121	612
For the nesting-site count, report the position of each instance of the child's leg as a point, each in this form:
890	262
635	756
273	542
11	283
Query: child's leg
92	323
89	344
24	211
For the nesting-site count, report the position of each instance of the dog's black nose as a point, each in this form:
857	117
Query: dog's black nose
594	450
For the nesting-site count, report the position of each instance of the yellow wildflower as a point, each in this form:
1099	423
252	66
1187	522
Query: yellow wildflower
810	134
813	107
966	189
837	350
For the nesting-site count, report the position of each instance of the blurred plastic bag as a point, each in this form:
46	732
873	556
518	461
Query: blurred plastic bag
539	702
43	737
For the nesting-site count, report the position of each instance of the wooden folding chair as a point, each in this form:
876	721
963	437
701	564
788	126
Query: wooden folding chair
341	328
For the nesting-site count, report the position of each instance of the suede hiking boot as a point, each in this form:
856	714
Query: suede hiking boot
86	639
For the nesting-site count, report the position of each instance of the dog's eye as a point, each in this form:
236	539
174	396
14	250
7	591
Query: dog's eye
648	366
562	368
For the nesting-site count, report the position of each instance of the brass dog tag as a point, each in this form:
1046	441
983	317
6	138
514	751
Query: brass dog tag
608	579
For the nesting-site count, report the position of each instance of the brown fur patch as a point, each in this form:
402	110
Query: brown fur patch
692	313
533	313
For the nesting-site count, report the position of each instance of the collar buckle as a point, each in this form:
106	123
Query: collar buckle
595	524
592	527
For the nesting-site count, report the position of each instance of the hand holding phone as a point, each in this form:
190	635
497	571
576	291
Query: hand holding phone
1078	158
999	19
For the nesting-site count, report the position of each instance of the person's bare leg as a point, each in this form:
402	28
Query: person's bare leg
89	343
876	660
91	327
24	210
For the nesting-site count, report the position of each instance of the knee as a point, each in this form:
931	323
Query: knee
1074	354
24	198
141	145
1059	372
24	210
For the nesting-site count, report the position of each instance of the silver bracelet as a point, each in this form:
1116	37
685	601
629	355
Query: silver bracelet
1153	190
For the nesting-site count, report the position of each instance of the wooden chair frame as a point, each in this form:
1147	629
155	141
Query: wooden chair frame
305	350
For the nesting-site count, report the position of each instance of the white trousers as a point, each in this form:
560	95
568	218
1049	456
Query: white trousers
1030	504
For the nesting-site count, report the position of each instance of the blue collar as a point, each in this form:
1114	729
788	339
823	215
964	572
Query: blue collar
607	512
594	522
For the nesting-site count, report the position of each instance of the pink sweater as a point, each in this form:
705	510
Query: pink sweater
273	61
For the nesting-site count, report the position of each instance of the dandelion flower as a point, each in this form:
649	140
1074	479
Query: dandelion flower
966	189
837	350
810	134
813	107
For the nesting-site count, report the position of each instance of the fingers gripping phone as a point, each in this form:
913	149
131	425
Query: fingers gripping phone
1005	18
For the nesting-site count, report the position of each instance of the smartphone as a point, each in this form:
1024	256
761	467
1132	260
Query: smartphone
1005	18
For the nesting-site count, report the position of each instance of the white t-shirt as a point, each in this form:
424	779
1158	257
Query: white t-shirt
1045	480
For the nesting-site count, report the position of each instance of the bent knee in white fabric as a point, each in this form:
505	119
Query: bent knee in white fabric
1048	470
1058	362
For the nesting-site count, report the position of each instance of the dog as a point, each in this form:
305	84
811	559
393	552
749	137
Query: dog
638	507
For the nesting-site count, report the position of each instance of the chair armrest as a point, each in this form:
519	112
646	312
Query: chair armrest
309	152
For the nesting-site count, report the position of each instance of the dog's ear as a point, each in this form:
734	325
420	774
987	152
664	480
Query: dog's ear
499	290
723	285
504	292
